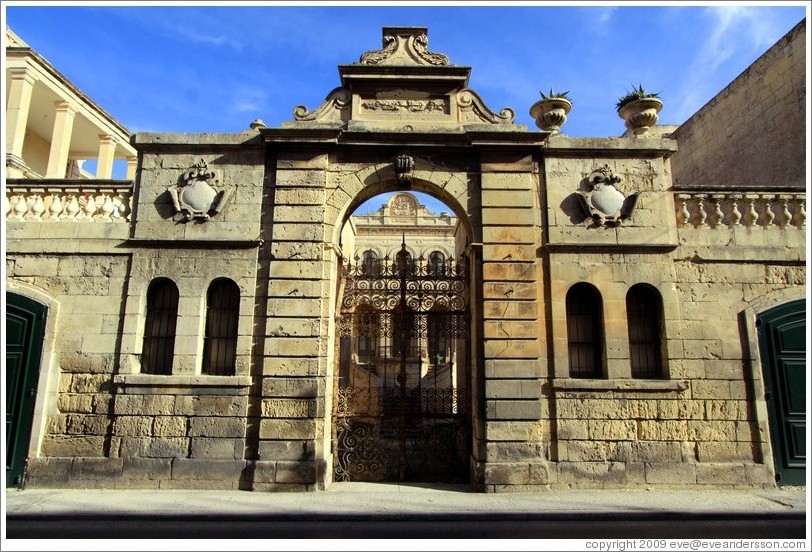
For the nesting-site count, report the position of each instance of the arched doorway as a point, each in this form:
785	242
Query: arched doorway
402	397
25	326
782	345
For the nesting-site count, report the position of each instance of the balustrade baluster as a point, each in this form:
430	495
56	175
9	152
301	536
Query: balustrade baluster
752	215
800	215
700	203
735	214
683	212
786	217
37	208
718	216
769	215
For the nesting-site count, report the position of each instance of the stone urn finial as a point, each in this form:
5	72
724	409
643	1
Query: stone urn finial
640	110
550	112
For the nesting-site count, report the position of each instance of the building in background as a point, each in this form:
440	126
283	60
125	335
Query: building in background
616	314
52	127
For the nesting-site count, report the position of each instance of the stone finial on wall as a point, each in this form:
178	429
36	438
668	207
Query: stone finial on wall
196	196
604	202
404	46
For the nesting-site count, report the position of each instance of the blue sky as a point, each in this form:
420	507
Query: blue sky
209	67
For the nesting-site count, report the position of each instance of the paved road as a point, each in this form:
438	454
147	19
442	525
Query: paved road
411	526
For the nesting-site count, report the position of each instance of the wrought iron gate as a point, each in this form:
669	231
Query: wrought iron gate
402	400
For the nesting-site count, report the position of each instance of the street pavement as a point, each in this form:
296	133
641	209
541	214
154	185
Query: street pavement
397	511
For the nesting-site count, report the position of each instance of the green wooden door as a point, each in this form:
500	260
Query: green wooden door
782	343
25	324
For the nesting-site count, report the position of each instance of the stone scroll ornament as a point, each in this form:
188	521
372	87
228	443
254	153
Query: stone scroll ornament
604	202
196	197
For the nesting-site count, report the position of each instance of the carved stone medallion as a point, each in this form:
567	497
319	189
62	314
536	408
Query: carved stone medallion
604	202
196	195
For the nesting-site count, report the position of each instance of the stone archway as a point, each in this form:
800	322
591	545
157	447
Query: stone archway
398	414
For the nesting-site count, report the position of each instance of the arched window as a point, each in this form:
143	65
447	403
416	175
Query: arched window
436	264
370	264
585	331
222	316
159	329
644	309
404	264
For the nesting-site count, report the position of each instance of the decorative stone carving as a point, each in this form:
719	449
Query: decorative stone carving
195	196
403	170
403	205
412	106
404	46
604	202
474	109
335	108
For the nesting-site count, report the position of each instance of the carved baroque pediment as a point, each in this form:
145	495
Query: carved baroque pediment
404	88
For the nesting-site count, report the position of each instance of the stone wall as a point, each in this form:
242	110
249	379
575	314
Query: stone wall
748	134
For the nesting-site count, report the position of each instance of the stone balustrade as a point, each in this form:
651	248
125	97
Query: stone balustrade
715	209
62	200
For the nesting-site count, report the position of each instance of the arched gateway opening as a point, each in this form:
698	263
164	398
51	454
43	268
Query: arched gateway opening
402	382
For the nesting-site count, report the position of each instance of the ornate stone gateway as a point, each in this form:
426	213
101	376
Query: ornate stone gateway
402	406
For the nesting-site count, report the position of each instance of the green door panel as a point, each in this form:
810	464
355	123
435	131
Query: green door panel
782	343
25	323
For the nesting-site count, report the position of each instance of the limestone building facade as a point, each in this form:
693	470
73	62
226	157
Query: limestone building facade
604	318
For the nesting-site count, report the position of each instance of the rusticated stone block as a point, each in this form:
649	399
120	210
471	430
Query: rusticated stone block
207	426
721	474
155	447
722	410
82	424
48	471
296	472
205	447
663	430
146	468
262	472
671	474
291	408
73	445
199	484
514	410
573	429
287	429
287	450
582	451
75	403
644	451
712	431
135	426
514	451
612	430
215	470
141	405
97	468
507	474
591	474
723	451
291	387
169	426
211	405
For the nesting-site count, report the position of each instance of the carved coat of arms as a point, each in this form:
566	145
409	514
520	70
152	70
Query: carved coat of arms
195	196
604	202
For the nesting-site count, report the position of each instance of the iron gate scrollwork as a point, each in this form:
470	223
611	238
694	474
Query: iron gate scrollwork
402	408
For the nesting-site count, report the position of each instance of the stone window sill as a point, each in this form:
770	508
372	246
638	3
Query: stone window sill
574	384
230	384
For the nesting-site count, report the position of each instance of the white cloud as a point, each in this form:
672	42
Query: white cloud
734	32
